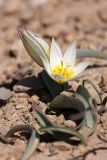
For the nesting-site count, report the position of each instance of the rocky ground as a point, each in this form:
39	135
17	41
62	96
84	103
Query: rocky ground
83	20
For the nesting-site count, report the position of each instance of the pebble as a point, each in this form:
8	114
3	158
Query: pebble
12	7
60	119
70	124
35	98
1	113
22	95
19	106
19	88
5	94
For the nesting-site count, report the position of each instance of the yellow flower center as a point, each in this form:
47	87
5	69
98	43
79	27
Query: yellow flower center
65	71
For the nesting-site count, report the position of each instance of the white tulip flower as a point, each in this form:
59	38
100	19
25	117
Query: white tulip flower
60	67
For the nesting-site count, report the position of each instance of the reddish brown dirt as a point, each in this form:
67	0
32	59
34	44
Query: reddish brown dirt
85	20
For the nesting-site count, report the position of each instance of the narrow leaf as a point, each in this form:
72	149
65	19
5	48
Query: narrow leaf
91	119
67	131
32	145
42	119
92	84
83	100
91	114
71	102
83	92
18	128
90	53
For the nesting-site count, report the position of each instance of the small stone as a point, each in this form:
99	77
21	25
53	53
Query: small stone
12	7
102	15
19	88
70	124
38	2
69	37
60	119
19	106
22	95
41	146
53	31
1	113
5	94
35	98
62	146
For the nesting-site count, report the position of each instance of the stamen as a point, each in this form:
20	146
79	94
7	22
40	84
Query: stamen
63	71
61	62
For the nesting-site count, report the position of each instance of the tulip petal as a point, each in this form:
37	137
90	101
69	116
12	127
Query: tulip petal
81	67
70	55
33	47
55	54
40	41
78	69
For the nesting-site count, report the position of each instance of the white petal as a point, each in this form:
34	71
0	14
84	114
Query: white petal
46	66
34	49
55	54
70	55
81	67
39	40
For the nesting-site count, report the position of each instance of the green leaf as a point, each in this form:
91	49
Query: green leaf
42	119
18	128
63	101
91	118
83	100
92	84
81	90
90	53
32	145
62	131
52	86
33	142
91	114
71	102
